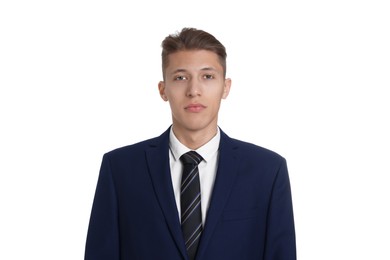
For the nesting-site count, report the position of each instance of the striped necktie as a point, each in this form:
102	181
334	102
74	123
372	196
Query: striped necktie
191	214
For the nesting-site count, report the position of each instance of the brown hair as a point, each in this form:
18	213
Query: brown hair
192	39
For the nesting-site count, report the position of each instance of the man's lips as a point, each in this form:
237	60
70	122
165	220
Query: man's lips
195	107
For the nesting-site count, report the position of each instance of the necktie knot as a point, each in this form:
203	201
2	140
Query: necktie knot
191	157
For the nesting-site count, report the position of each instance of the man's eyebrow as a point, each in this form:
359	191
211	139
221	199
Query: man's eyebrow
202	69
177	71
208	68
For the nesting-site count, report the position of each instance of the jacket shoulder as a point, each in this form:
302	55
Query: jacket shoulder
255	152
133	150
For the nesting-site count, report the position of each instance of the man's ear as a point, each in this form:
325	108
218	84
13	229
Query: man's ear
226	88
161	89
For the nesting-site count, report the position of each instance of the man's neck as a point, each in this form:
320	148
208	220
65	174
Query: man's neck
194	139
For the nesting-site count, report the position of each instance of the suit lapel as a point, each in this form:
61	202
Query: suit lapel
158	162
226	176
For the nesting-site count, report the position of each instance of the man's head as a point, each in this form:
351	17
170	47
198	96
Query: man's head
192	39
194	68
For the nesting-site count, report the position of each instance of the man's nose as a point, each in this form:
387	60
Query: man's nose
194	88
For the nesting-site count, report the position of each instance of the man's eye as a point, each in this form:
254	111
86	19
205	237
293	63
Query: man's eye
208	76
180	77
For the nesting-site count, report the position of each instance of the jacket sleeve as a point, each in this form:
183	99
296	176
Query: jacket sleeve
280	236
103	235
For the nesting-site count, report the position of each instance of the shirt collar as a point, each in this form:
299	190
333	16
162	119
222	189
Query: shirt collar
206	151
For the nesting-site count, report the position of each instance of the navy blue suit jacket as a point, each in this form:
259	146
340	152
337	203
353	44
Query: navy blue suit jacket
134	214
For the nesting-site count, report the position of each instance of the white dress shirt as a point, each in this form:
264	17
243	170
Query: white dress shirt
207	168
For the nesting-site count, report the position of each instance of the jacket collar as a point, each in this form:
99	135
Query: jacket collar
229	157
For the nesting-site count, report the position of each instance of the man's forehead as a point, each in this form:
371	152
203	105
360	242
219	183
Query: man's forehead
193	60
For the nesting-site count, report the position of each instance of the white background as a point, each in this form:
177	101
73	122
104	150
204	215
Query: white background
310	81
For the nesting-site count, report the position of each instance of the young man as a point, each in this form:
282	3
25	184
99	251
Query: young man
193	192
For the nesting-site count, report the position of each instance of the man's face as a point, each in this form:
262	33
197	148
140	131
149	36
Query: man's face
194	86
